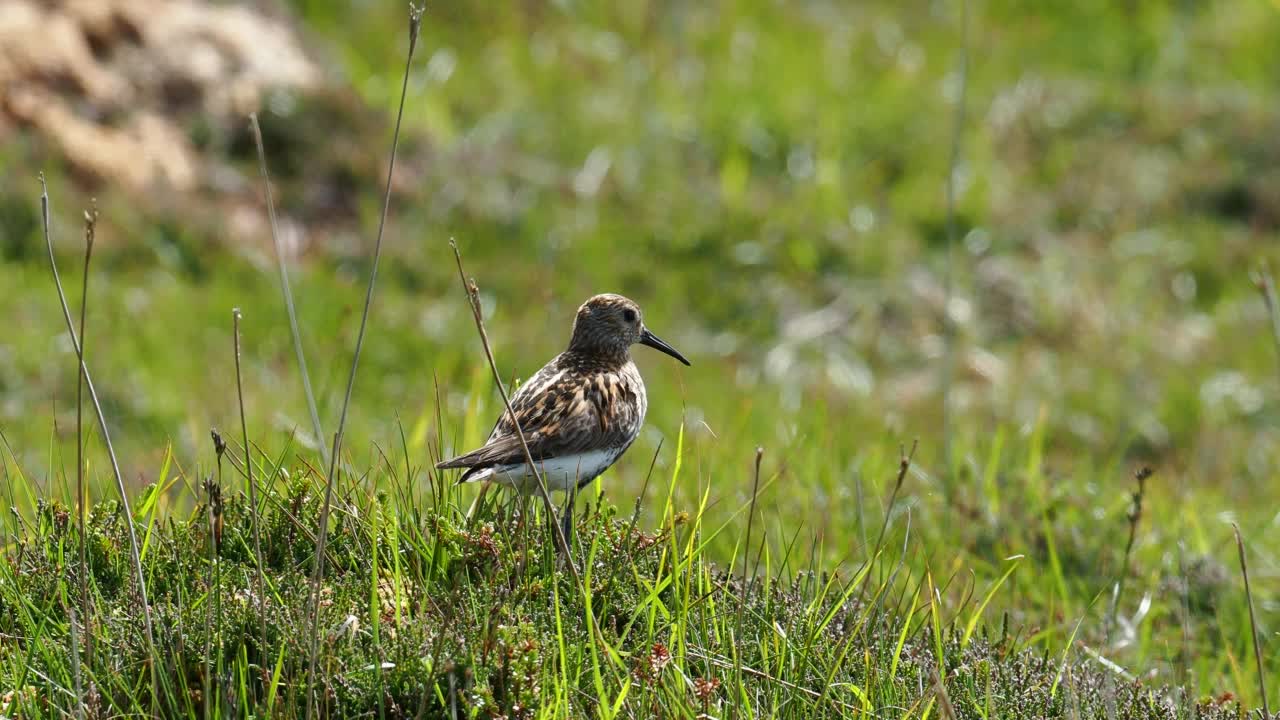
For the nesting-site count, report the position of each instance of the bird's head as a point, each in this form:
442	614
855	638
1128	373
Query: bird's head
610	324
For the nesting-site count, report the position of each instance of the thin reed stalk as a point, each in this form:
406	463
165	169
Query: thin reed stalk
82	500
751	519
948	323
1108	622
286	291
213	615
415	24
1266	284
253	493
1253	624
134	550
904	465
473	300
1134	517
75	660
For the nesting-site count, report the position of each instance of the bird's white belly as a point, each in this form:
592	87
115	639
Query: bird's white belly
561	473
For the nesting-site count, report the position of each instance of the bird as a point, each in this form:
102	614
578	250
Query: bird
579	413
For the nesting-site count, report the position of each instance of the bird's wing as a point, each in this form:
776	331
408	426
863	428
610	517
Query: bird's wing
558	414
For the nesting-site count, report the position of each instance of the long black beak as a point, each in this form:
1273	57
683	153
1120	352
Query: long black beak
653	341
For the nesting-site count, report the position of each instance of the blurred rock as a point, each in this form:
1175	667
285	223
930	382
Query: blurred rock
145	103
148	151
109	82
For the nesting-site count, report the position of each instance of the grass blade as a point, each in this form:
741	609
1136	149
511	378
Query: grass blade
986	600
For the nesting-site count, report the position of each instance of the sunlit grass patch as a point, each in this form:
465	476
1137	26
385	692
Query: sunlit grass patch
436	605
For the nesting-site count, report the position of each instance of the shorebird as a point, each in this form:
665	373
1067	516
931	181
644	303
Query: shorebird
579	413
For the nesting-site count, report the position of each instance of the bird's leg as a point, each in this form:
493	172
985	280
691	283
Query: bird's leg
522	529
566	515
563	553
524	513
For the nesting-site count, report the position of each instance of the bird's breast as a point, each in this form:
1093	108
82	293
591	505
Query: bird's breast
628	402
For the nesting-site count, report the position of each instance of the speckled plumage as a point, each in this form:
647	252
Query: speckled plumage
580	412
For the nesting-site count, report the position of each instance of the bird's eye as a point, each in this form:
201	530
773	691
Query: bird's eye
629	315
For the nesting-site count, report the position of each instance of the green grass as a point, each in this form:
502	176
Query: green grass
435	606
774	201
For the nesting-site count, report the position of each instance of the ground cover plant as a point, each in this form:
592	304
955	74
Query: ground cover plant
427	611
1095	301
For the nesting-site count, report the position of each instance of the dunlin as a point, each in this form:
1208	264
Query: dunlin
580	412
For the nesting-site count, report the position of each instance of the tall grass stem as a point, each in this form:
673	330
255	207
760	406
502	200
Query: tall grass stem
473	300
134	552
415	24
286	290
1253	624
751	518
1266	284
948	322
253	494
82	499
75	660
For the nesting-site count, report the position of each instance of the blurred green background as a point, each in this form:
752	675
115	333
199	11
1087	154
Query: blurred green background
769	181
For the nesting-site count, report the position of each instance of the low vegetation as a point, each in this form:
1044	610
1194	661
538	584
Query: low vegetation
438	605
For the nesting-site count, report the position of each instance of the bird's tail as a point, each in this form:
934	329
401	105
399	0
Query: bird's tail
473	472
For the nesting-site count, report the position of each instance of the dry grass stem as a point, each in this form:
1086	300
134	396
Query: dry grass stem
473	300
134	551
1253	624
415	24
253	492
953	167
285	289
82	498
